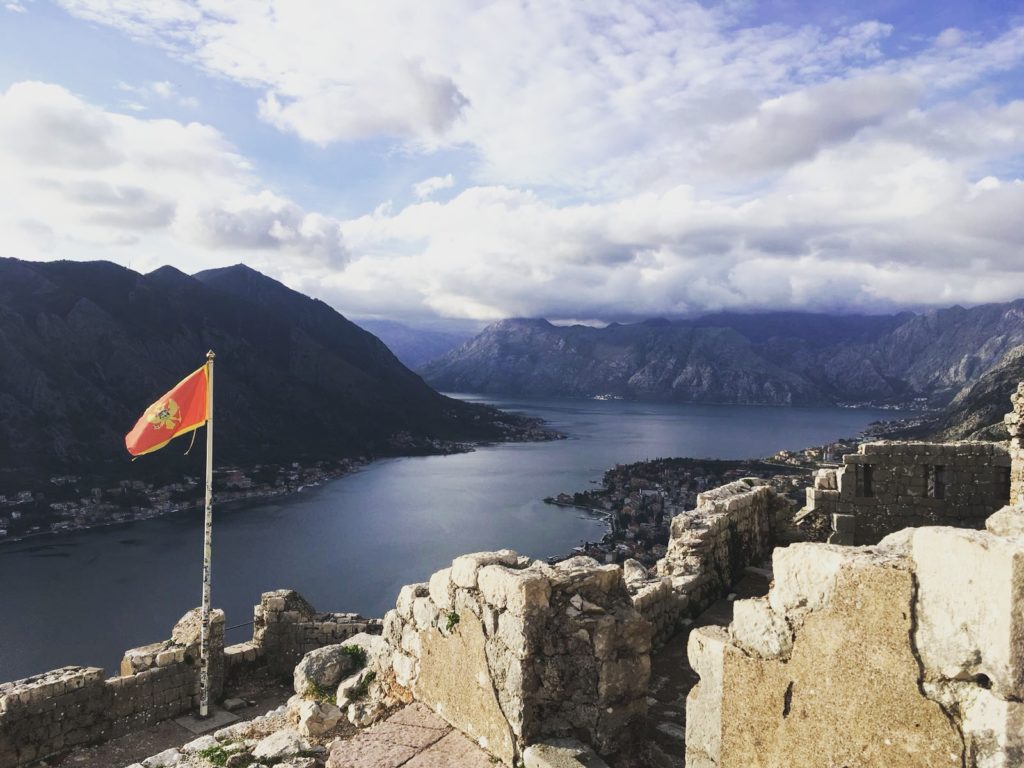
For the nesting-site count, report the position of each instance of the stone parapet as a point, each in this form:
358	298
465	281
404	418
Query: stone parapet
46	714
286	627
887	486
512	651
731	527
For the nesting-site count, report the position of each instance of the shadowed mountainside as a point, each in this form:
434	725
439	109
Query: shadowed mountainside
86	346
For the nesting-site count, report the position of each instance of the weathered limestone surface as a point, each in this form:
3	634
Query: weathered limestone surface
970	607
908	654
510	651
974	481
472	702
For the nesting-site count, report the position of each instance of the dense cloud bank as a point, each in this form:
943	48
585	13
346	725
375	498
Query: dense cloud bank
623	162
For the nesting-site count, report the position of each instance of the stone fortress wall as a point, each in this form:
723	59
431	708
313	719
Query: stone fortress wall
45	714
908	653
731	528
887	486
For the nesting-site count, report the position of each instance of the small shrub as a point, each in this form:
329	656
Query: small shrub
318	692
216	755
357	653
453	619
362	687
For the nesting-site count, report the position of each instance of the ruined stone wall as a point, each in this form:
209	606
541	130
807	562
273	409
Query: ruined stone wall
907	655
511	650
888	486
286	627
48	713
1015	426
732	527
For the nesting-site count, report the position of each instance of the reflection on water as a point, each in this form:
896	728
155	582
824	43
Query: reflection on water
83	597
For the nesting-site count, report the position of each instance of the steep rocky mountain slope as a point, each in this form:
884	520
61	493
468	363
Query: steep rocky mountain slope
85	347
977	411
770	358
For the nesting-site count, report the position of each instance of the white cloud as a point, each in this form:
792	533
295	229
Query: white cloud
625	158
15	7
79	180
612	97
429	187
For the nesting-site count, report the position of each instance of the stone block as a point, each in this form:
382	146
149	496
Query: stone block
322	669
805	576
407	595
464	568
1008	521
514	590
757	629
970	608
993	728
440	589
705	649
424	612
454	679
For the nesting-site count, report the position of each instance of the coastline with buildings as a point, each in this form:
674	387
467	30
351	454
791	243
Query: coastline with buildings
75	502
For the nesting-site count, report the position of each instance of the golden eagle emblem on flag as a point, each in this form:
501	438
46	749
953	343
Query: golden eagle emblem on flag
164	415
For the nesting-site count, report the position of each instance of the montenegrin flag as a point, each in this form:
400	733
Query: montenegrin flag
180	411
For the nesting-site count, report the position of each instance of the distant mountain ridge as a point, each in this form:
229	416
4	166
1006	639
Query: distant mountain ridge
86	346
413	346
766	358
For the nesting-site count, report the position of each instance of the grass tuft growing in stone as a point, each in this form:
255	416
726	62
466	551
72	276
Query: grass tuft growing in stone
357	653
318	692
453	619
362	687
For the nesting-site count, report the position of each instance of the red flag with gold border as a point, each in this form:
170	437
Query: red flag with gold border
182	410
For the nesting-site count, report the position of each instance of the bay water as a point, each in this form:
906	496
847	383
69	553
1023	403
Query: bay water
83	597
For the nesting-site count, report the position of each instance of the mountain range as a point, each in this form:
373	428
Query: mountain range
951	357
412	345
86	346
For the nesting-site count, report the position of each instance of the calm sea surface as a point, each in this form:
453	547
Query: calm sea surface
84	597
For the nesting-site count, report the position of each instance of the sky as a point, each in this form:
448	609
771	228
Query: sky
459	162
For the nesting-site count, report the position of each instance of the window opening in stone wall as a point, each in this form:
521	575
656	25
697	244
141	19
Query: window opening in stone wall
865	480
1004	483
935	476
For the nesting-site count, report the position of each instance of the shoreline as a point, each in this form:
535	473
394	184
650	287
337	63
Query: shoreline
354	466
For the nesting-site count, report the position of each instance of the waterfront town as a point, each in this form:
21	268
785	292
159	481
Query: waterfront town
639	500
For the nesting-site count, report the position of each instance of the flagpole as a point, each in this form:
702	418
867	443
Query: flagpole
204	673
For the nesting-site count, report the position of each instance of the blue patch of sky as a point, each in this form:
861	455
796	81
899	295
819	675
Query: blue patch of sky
343	179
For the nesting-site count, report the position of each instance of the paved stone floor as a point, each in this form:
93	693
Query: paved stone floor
413	737
671	680
133	747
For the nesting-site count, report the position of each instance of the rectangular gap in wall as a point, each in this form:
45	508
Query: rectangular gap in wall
1004	483
935	477
865	480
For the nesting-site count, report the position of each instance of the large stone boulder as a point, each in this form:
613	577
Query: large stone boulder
280	746
320	671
